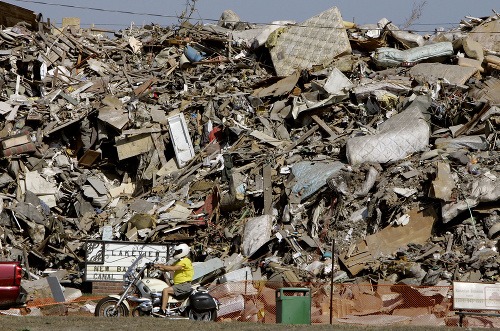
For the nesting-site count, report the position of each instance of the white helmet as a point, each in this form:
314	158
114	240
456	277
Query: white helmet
180	251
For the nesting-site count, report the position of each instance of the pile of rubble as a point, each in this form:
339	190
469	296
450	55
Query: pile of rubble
277	147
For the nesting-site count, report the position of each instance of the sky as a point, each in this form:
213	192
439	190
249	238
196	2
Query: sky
109	14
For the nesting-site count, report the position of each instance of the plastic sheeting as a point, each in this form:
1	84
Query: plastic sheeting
391	57
398	137
482	190
312	176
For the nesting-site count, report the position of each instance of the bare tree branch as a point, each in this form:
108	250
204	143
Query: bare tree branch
190	8
415	14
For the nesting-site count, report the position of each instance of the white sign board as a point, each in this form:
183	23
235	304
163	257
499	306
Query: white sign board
108	260
476	296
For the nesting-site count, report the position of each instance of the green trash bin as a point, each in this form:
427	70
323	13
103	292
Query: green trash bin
293	305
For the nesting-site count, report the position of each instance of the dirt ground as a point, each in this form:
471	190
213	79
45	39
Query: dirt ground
80	323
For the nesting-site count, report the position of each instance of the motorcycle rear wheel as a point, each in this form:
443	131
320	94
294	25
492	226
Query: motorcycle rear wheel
106	307
207	315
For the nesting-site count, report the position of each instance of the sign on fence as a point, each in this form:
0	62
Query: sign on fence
476	296
108	260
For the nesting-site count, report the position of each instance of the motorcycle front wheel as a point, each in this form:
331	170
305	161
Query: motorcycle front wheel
207	315
107	307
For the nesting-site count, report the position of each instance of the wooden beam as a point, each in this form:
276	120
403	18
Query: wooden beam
302	138
324	126
268	189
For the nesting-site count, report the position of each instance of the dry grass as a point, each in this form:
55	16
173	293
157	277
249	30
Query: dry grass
79	323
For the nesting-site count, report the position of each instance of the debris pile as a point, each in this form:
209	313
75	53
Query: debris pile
264	146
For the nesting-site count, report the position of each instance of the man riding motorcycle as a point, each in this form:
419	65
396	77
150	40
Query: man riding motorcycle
183	275
145	294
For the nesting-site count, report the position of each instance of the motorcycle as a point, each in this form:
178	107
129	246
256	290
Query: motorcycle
142	296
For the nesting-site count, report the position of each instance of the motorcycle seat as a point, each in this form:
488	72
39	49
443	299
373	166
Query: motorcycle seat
183	296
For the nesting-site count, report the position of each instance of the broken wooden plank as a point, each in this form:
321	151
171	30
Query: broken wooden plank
134	145
302	138
279	88
139	131
267	139
145	86
268	189
160	147
324	126
467	127
65	124
357	261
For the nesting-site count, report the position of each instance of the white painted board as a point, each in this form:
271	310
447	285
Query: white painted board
181	140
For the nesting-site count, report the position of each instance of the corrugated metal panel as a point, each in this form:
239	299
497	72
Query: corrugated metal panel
317	41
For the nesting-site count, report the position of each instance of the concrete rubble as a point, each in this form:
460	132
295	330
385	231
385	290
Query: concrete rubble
265	147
